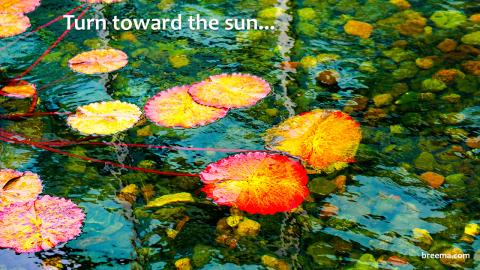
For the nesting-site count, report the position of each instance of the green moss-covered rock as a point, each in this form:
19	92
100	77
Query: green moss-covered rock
433	85
321	186
425	161
201	255
405	71
472	38
448	19
366	262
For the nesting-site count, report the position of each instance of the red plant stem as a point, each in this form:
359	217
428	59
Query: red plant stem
107	162
47	51
137	145
31	114
33	104
40	27
54	82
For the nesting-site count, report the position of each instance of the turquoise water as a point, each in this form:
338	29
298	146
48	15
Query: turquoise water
415	131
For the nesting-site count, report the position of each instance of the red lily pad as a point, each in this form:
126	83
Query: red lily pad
256	182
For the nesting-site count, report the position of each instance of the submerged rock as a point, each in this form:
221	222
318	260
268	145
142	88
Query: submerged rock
366	262
248	227
472	67
321	186
425	161
433	85
425	63
328	77
274	263
408	22
473	142
358	28
447	45
448	19
183	264
472	38
454	259
434	180
383	100
422	238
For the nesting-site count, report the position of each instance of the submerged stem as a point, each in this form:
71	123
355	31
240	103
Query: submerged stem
6	137
40	27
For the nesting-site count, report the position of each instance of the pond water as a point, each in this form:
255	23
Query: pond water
410	126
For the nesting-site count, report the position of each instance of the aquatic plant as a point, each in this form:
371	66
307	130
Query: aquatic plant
230	90
176	108
324	139
18	187
256	182
39	224
98	61
19	89
12	24
19	6
104	118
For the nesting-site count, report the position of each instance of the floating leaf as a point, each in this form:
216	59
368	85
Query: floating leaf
12	24
99	61
40	224
230	90
18	187
20	89
256	182
105	118
176	108
18	6
171	198
325	139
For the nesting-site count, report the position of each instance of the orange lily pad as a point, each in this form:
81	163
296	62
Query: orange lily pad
105	118
99	61
18	187
12	24
230	90
20	89
324	139
39	224
176	108
256	182
18	6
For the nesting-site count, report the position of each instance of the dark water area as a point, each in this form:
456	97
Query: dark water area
413	85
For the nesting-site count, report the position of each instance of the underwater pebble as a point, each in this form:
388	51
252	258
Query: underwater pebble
274	263
425	161
472	38
455	262
425	63
358	28
383	100
473	142
472	67
447	45
434	180
328	77
183	264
